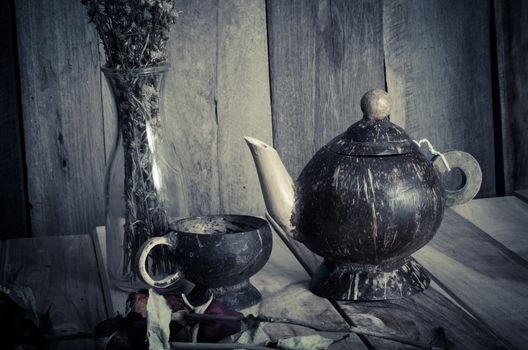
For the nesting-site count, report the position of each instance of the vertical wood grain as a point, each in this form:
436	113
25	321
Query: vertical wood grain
437	58
13	199
217	91
243	101
61	101
63	274
188	109
324	55
511	33
291	41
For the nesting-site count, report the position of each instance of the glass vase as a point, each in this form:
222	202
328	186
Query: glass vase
144	184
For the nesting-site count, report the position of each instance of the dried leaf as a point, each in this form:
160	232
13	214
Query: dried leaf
19	319
255	336
158	321
134	33
258	336
307	342
23	296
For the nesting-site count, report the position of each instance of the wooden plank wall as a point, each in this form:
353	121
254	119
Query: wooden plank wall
511	24
435	57
63	124
323	55
438	62
217	91
13	210
65	277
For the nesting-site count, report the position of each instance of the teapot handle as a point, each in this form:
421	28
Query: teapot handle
472	175
142	260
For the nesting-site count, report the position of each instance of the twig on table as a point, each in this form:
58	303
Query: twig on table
178	345
252	319
348	329
198	310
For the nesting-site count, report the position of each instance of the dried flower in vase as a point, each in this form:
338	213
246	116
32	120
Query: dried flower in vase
134	34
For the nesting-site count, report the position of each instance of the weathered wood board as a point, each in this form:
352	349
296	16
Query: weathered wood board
13	208
419	318
189	102
217	91
511	38
438	67
522	195
65	277
284	287
485	279
243	105
283	284
505	219
324	55
63	125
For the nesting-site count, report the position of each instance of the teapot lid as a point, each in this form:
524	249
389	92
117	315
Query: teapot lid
374	134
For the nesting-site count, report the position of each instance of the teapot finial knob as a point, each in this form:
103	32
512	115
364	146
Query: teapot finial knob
376	104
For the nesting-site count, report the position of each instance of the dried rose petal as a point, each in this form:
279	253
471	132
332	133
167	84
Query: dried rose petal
174	301
215	330
130	331
137	302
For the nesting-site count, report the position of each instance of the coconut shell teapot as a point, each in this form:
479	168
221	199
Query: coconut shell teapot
365	202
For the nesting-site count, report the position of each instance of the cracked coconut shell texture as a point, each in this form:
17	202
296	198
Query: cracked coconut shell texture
369	196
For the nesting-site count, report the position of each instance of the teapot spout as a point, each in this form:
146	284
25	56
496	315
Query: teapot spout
275	182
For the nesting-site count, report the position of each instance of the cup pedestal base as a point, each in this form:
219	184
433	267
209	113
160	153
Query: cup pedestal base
345	281
236	297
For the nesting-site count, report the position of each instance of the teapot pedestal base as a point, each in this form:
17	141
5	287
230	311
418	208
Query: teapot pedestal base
346	281
237	297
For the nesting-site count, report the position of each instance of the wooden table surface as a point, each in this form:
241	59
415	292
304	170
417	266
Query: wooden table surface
479	295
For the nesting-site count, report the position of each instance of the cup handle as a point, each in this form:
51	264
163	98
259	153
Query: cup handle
142	260
472	173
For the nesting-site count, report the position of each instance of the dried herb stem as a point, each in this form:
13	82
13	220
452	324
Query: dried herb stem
349	329
138	104
216	346
134	34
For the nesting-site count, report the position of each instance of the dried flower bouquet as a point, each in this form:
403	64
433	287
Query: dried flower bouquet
134	35
134	32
